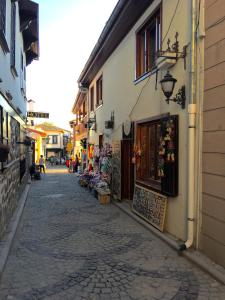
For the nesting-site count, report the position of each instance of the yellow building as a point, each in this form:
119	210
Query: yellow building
56	140
38	136
80	126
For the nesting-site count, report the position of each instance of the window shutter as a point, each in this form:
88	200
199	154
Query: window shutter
2	15
13	36
169	138
136	146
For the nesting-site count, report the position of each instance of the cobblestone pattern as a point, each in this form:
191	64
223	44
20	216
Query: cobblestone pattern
68	246
9	187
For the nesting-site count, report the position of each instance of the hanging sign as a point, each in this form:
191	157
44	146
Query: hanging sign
32	114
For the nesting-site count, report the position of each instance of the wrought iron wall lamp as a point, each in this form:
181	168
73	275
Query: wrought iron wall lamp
168	84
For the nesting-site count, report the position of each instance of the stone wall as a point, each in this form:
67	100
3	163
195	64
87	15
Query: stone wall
9	193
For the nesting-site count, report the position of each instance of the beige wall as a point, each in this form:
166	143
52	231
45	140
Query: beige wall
213	193
120	94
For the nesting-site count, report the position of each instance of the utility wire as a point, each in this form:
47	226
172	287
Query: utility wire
171	21
213	3
199	15
139	96
216	23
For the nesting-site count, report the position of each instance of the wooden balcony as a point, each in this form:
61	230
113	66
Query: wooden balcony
80	131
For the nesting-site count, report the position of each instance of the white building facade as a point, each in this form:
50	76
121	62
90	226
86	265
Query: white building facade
19	45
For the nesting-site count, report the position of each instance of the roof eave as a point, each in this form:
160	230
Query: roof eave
124	16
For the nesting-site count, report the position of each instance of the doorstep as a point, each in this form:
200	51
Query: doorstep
195	256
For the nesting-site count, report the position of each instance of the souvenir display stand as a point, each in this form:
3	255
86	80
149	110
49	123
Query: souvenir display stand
97	176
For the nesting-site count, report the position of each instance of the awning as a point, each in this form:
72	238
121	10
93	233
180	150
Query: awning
28	12
32	130
29	26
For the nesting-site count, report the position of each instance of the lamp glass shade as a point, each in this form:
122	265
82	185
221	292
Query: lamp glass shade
168	83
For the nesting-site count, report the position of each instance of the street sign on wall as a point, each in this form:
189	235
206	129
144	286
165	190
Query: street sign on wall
32	114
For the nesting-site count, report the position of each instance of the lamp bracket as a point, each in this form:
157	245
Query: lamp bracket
180	97
172	51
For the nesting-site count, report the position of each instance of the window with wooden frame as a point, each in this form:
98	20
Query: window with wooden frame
84	108
99	92
3	41
148	42
92	99
55	139
6	135
3	16
1	124
80	116
14	137
156	152
147	151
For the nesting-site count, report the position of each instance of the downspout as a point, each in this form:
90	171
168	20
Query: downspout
191	136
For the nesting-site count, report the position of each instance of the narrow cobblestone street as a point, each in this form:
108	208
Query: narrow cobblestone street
68	246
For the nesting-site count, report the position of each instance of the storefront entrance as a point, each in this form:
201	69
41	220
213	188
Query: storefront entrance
127	170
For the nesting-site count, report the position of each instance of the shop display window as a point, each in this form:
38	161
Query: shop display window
156	154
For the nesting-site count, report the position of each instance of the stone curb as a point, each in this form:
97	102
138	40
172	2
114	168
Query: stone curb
6	242
203	262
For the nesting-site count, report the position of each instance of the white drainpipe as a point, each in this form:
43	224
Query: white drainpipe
191	137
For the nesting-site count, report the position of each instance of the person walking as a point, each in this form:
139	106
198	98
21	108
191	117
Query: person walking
42	164
51	160
32	170
70	169
76	164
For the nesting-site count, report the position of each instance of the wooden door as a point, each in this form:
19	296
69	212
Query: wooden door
127	170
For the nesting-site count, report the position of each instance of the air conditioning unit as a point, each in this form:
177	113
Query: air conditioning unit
109	124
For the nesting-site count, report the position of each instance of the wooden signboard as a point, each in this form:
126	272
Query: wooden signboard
150	205
32	114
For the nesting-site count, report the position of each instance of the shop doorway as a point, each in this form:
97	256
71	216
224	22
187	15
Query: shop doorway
127	170
100	141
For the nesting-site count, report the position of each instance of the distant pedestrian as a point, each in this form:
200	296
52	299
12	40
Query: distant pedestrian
70	166
32	170
51	160
76	163
67	162
42	164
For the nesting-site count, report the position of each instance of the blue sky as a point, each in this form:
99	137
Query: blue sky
68	33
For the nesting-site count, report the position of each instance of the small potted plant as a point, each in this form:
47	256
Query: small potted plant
4	151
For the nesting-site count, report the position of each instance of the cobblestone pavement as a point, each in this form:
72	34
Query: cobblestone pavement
68	246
